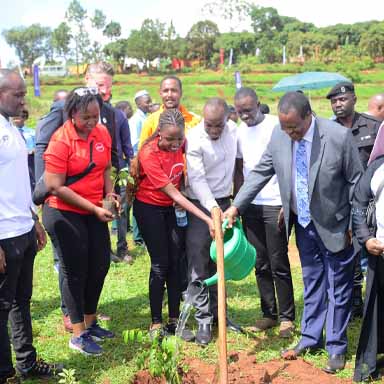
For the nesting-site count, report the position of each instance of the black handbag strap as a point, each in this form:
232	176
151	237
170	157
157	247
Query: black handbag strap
72	179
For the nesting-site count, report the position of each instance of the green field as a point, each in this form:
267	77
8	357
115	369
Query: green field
198	87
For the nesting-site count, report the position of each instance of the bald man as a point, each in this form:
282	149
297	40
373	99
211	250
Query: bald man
376	106
21	237
211	155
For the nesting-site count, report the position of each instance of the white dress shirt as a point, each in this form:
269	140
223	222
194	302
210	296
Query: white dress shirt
308	137
210	164
251	144
15	196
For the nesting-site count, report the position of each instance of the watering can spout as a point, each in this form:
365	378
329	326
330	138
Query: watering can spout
211	281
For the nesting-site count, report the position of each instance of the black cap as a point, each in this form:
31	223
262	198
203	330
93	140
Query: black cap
341	89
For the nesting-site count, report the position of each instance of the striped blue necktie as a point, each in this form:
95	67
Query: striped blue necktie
302	196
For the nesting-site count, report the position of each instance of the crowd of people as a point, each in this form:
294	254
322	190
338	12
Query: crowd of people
294	170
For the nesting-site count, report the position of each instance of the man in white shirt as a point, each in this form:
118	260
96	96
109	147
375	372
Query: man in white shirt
143	102
260	220
211	154
21	236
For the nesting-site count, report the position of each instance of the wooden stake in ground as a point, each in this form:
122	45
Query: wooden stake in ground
222	341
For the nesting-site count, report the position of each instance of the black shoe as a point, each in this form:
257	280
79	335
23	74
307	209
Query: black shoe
115	258
335	363
41	369
297	350
186	335
231	326
10	378
204	334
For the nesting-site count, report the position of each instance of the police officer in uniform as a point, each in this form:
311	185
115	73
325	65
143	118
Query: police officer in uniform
364	130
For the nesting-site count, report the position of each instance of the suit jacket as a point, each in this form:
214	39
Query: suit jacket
335	168
56	117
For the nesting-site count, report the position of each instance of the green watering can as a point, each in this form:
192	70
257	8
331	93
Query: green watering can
239	254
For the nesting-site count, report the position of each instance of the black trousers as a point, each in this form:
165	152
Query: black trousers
56	259
163	238
273	270
84	258
15	298
200	264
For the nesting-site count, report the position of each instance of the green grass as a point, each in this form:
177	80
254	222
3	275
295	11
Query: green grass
125	299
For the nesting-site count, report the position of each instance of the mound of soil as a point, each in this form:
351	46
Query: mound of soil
244	369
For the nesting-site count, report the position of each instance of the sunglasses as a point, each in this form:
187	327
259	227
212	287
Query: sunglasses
86	91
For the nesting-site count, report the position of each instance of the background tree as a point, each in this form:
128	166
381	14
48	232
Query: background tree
117	51
243	43
76	16
98	20
146	43
372	41
29	42
60	40
201	39
112	30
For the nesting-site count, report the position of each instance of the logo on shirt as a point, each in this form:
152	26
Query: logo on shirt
176	171
99	147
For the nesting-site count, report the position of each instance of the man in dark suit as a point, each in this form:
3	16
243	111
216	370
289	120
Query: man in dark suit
364	130
98	75
317	166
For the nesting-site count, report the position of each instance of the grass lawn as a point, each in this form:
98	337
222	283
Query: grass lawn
125	299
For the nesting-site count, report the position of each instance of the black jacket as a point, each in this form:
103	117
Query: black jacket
371	341
56	117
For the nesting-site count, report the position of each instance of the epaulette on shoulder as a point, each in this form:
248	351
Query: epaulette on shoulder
370	117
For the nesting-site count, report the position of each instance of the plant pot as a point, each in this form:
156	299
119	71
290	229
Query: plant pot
110	205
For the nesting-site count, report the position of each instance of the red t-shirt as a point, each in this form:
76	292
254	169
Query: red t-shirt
157	169
68	154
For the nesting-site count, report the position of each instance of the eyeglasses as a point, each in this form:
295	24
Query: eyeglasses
86	91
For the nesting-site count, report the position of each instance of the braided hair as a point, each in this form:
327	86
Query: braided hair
75	103
169	117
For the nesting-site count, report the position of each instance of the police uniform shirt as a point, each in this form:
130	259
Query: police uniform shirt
364	130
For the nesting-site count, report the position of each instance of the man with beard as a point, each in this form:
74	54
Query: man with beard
364	129
171	92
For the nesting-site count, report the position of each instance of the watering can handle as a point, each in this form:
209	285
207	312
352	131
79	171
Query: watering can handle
225	224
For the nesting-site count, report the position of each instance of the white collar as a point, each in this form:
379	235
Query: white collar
309	134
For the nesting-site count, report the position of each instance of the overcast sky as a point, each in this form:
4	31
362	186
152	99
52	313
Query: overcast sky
183	13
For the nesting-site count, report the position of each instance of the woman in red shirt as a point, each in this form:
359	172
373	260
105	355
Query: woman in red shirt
161	163
73	214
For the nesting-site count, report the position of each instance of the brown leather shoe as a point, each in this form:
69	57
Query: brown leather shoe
67	324
286	329
264	324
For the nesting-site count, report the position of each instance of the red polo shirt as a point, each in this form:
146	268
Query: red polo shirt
68	154
157	169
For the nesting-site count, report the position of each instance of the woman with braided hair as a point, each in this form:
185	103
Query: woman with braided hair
160	175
